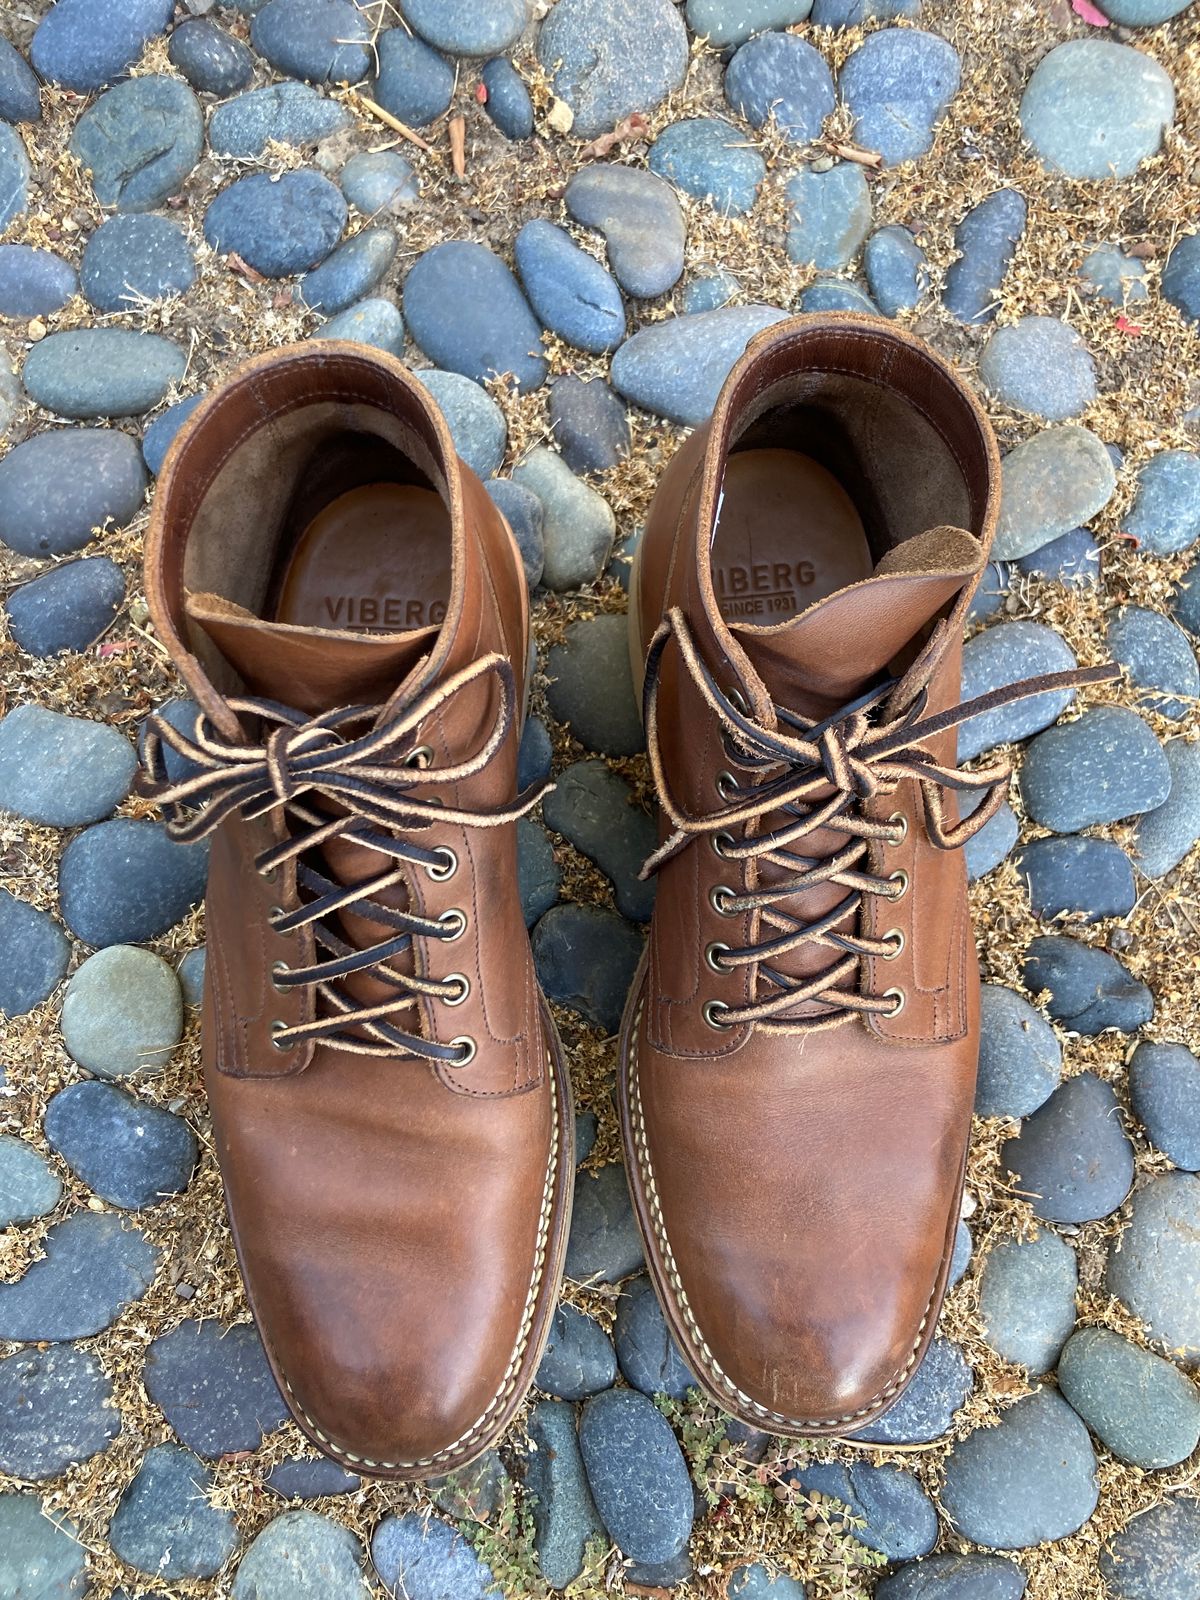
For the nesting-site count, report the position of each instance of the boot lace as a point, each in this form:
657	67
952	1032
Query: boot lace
801	776
330	780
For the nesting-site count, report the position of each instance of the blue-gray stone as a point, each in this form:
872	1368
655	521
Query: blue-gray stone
590	424
897	84
279	226
1186	602
211	60
1158	658
610	58
1180	279
605	1245
125	882
641	221
1039	365
508	103
190	973
214	1387
662	1574
755	1582
467	30
165	1525
952	1577
414	83
564	1514
102	372
466	311
1139	1406
1089	989
1095	109
422	1558
286	113
1050	484
992	844
476	422
34	953
42	1556
1164	1087
990	595
59	486
122	1013
853	13
1072	1158
1156	1555
586	957
778	76
1030	1478
960	1259
837	294
130	259
539	876
709	292
1073	557
579	524
14	176
380	181
925	1410
160	435
1166	511
67	608
302	1553
20	99
373	322
726	22
675	368
569	290
1114	276
897	274
586	1129
353	269
1154	1267
1020	1059
637	1475
830	215
711	159
127	1151
649	1357
1027	1293
140	141
94	1266
324	41
1164	836
523	512
1002	655
303	1478
591	686
579	1358
593	808
1103	766
33	282
1092	877
56	1409
28	1188
62	771
84	44
535	755
986	239
891	1512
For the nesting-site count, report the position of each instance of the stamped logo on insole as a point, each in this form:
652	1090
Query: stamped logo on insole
367	611
762	588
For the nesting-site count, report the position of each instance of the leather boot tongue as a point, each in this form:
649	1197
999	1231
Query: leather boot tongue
309	669
832	651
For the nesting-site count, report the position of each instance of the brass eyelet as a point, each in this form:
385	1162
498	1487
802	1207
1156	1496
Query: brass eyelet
453	924
900	998
720	844
713	954
725	781
894	937
469	1049
718	898
268	874
277	969
276	914
463	989
421	757
714	1013
738	701
900	821
445	867
900	877
283	1046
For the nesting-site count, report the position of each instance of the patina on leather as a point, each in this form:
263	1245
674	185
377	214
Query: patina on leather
799	1050
389	1104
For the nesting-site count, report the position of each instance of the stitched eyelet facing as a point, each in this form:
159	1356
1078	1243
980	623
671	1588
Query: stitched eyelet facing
726	781
721	843
899	821
462	989
719	897
714	1014
900	878
713	954
901	999
453	925
446	865
467	1046
282	1045
894	937
420	758
277	970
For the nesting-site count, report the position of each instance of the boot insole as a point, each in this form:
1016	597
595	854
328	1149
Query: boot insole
788	535
374	560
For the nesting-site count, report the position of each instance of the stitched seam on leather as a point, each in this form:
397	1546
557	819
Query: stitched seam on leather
508	1383
712	1368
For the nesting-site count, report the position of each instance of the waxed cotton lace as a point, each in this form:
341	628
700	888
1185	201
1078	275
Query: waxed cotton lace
813	775
376	788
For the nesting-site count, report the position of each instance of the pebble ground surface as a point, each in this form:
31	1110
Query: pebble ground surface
184	184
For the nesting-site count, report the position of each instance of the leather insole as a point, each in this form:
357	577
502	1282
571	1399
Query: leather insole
787	535
374	560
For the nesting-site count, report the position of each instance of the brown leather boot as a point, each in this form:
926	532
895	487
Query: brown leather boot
800	1046
391	1112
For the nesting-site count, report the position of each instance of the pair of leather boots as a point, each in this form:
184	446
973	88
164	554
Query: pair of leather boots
390	1101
